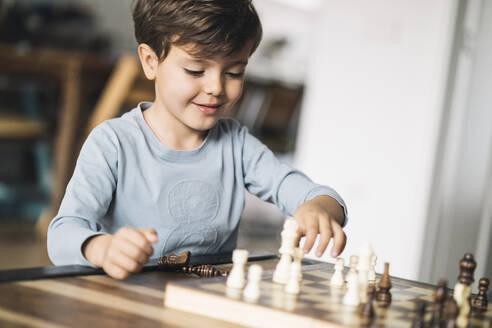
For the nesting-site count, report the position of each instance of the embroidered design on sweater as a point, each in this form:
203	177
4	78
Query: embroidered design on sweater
193	201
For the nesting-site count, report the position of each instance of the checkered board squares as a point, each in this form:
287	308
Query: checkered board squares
317	304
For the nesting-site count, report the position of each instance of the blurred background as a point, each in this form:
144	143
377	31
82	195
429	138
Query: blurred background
388	102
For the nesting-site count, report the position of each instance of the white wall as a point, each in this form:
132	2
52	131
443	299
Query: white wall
370	120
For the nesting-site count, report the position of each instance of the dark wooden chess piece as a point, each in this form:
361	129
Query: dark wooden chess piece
481	302
174	262
419	320
440	296
368	312
467	267
451	311
205	271
383	295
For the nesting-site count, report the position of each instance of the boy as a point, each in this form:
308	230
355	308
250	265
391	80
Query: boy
170	175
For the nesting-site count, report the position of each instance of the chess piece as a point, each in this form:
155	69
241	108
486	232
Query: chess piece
480	302
205	271
365	255
383	295
293	284
440	295
252	291
368	309
419	319
288	235
450	312
297	256
352	296
462	289
337	278
353	262
371	276
236	277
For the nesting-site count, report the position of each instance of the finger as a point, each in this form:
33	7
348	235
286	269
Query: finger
130	250
150	235
115	271
300	234
339	239
325	234
138	239
311	232
126	263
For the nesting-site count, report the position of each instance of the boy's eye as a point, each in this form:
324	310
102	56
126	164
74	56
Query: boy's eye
235	75
192	72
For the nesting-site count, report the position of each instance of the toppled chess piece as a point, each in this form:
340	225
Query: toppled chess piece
480	302
174	262
383	295
205	271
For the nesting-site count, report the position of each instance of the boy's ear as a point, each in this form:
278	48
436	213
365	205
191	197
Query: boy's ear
149	60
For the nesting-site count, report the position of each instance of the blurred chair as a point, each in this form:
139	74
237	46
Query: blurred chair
125	88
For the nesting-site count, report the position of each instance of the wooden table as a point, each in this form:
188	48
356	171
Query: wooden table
98	301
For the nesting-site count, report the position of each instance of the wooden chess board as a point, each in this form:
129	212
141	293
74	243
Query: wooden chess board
318	305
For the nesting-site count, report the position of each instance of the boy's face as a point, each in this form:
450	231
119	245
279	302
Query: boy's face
195	93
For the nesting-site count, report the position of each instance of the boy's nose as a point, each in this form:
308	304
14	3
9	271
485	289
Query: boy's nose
214	86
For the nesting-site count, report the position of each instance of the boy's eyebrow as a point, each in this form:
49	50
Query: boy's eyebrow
204	61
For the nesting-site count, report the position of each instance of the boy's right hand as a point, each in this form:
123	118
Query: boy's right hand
123	253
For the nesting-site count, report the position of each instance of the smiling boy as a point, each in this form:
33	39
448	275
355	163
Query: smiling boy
170	175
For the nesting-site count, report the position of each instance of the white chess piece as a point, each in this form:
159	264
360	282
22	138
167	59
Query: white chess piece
252	291
363	269
371	276
298	255
293	284
353	261
461	294
337	278
236	277
289	234
352	297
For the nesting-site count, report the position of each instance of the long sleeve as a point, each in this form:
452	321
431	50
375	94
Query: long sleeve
269	179
87	199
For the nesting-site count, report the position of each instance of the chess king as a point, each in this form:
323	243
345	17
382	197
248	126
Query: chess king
170	175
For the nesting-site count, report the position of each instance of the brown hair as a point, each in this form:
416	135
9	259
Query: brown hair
214	27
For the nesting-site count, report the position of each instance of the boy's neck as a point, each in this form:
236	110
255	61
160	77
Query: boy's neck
173	136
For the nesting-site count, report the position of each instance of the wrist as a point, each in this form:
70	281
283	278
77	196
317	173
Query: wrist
94	249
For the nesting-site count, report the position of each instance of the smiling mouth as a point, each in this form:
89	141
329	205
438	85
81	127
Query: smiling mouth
208	108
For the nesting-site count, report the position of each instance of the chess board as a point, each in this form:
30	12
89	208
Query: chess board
318	305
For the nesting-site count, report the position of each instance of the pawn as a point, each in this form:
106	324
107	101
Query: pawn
383	295
480	302
236	277
337	278
353	262
293	285
352	296
252	291
419	320
440	296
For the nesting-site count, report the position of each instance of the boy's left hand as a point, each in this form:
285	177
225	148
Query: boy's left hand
321	215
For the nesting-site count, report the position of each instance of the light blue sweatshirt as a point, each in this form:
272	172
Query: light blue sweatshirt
126	177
